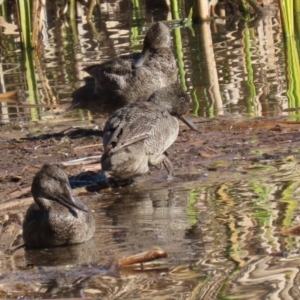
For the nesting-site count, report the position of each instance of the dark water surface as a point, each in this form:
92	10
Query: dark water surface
222	239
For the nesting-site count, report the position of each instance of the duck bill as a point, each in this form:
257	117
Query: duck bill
69	108
140	61
189	123
68	198
90	70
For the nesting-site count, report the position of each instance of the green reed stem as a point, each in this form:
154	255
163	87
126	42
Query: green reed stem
178	43
74	30
137	9
174	9
3	10
196	104
293	71
250	101
26	23
136	16
243	6
297	18
32	84
179	55
287	16
189	18
72	9
91	9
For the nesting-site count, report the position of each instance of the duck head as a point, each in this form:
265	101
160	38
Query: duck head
84	97
175	100
52	184
158	36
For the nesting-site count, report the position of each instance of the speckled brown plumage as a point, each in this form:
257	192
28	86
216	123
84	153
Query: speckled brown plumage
57	217
138	134
129	78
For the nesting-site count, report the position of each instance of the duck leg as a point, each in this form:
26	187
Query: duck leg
155	160
169	166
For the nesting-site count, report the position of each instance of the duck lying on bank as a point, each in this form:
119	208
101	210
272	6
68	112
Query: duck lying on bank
138	134
129	78
57	217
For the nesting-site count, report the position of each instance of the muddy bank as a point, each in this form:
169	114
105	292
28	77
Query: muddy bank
227	149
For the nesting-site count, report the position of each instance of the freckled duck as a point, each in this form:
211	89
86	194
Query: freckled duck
129	78
138	134
57	217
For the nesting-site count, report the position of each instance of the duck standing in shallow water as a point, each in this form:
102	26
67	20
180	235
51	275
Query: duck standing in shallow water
129	78
138	134
57	217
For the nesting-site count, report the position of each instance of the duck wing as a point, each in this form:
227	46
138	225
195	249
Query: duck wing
109	75
131	124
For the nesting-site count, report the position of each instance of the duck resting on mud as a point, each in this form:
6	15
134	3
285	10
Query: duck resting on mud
57	217
128	78
138	134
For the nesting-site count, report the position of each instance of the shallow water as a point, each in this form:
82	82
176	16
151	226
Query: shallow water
221	232
221	241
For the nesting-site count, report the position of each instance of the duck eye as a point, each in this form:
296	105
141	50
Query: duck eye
182	99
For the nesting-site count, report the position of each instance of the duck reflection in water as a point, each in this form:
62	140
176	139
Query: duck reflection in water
162	218
129	78
83	253
138	134
57	217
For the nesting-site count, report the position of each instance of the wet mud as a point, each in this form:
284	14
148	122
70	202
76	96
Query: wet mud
225	147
